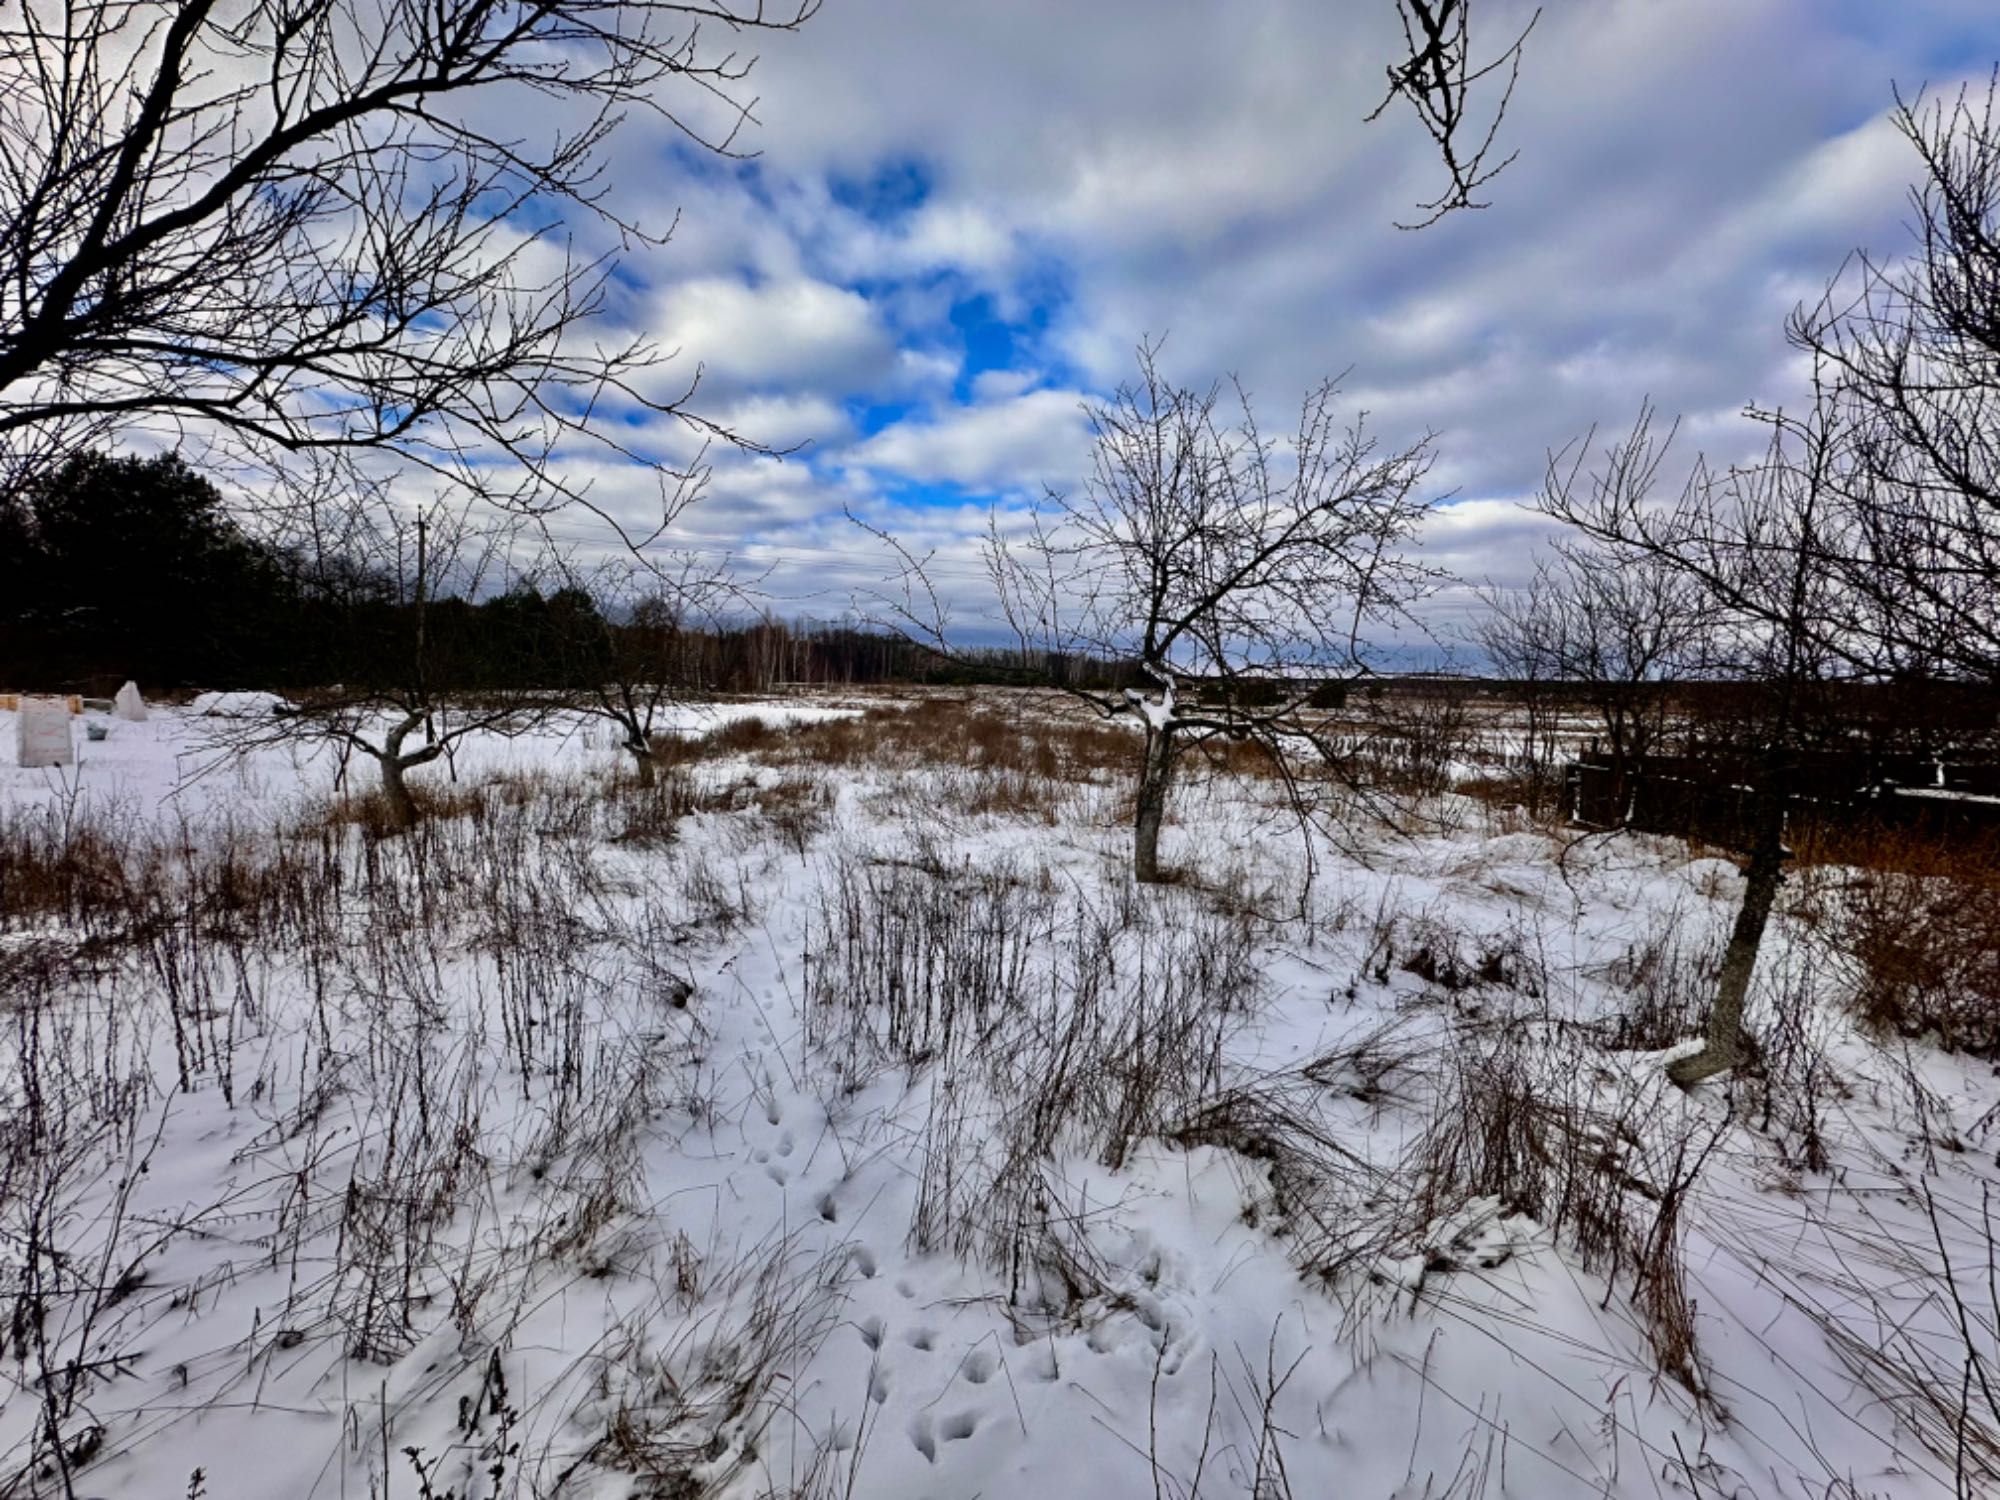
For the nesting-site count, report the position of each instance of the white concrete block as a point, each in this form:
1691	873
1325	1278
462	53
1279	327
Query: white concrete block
42	733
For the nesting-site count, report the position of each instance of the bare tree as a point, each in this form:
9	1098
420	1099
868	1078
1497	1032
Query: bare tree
336	227
1758	545
1611	631
1523	634
419	675
1232	571
1438	77
642	660
1913	343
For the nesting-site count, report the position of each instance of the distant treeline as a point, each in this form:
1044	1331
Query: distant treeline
120	567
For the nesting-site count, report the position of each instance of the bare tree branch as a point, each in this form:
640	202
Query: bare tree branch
337	227
1437	76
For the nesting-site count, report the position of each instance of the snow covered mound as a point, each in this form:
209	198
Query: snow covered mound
238	705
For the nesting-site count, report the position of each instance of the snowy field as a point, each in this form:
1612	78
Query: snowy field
837	1118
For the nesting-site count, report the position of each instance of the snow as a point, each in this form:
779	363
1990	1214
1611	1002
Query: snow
238	705
1946	794
681	1173
1157	714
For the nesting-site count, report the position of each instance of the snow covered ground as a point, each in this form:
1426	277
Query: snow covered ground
837	1118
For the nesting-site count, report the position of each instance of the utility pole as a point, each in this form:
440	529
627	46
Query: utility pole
423	683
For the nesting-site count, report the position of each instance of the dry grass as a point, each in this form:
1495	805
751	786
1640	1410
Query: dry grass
1020	756
1517	1127
1028	735
58	867
1916	930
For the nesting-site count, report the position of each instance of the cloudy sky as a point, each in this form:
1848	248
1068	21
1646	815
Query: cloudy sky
962	217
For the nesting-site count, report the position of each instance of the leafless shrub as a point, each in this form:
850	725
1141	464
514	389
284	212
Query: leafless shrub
1422	744
1520	1125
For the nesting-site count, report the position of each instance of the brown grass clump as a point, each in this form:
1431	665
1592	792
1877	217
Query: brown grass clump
369	811
1016	755
55	867
1918	930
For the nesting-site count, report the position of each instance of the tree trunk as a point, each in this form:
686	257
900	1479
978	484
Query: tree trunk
1155	776
1723	1047
402	808
644	765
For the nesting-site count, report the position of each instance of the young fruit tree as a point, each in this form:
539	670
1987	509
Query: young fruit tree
1235	572
1756	545
421	669
1604	632
634	657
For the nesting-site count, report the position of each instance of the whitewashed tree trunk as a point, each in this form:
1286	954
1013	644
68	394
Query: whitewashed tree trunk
644	764
396	794
402	806
1155	779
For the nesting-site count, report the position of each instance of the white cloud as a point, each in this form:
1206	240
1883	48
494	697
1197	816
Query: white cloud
794	332
784	421
1019	441
1687	171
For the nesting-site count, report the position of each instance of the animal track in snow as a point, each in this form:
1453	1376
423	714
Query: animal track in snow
959	1427
864	1261
979	1366
923	1338
878	1386
871	1332
827	1209
923	1438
